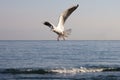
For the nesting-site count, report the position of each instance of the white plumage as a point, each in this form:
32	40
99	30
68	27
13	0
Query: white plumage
59	30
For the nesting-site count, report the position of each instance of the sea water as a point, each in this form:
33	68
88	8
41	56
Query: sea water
59	60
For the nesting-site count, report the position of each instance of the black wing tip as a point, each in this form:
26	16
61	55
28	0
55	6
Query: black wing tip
45	23
48	24
77	5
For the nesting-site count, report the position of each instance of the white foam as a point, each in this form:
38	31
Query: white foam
76	70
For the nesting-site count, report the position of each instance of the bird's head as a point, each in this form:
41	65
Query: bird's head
53	30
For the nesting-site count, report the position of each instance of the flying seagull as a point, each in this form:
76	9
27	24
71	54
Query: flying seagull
59	30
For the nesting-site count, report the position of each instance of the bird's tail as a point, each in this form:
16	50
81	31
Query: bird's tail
67	32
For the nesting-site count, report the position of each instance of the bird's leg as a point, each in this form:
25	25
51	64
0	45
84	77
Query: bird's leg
58	37
63	37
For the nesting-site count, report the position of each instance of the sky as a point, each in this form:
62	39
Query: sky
92	20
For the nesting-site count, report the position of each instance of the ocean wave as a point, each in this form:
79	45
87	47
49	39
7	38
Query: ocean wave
58	70
24	71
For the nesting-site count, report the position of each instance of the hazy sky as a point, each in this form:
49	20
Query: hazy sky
93	20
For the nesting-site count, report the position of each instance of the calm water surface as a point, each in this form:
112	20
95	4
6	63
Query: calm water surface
59	60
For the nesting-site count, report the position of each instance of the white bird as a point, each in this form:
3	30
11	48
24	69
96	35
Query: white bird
59	30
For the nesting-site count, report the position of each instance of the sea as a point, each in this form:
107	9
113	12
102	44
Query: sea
59	60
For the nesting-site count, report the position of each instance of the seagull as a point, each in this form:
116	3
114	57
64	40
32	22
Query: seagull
59	29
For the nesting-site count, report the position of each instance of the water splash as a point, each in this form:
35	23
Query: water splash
77	70
57	70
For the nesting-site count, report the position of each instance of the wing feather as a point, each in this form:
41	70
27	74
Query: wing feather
49	24
63	17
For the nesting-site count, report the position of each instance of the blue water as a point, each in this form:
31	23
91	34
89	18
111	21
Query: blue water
59	60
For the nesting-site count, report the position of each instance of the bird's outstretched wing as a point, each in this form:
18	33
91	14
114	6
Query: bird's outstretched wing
66	14
49	24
